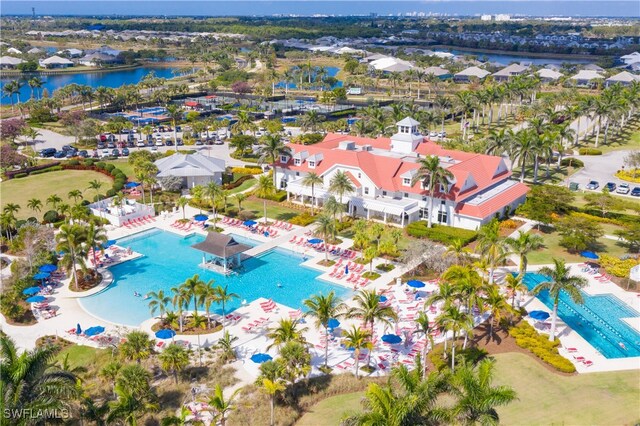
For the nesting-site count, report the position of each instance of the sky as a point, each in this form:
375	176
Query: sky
613	8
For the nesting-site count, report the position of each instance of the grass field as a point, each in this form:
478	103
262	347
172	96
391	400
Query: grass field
41	186
124	165
274	211
553	249
628	139
543	397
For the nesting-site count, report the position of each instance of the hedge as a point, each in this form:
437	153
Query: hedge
31	170
50	169
303	219
247	170
589	151
575	162
443	234
238	182
20	175
278	197
528	338
618	267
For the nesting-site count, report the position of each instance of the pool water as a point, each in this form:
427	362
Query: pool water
169	260
598	320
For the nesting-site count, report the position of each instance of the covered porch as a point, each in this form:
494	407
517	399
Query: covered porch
392	211
220	253
297	192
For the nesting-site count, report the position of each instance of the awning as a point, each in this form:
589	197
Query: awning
220	245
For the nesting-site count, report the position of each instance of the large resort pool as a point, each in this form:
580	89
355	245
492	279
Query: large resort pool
169	260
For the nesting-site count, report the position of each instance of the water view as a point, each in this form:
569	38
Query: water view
505	59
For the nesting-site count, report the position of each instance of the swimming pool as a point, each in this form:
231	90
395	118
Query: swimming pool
598	320
169	260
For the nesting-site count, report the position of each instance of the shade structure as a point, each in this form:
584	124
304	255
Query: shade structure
200	217
109	243
78	329
314	241
49	267
333	323
415	284
36	299
92	331
589	255
31	290
249	223
131	184
41	276
165	333
382	299
391	338
539	315
259	358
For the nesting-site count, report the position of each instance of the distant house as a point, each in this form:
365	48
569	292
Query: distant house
98	59
586	78
624	78
72	53
593	67
34	51
373	57
390	64
55	62
194	169
470	74
548	75
14	51
510	71
9	62
441	73
630	58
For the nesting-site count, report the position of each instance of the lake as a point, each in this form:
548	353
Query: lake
506	59
93	79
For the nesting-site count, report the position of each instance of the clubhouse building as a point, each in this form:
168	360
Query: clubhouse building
382	170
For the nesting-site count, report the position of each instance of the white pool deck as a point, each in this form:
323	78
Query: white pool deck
70	312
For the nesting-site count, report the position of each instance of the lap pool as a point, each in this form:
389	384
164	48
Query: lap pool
169	260
599	320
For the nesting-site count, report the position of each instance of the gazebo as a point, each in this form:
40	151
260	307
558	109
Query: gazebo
224	250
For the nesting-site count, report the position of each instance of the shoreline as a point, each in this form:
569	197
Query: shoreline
536	55
87	70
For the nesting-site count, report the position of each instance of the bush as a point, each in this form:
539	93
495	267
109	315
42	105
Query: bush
528	338
386	267
89	162
589	151
247	170
443	234
238	182
50	169
231	212
50	217
100	165
575	162
109	167
20	175
618	267
509	224
246	215
629	175
278	197
303	219
73	162
111	193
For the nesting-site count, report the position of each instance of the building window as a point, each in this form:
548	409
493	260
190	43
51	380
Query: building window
283	184
296	161
359	175
442	217
384	193
312	163
406	195
424	213
297	173
424	198
406	181
366	190
284	158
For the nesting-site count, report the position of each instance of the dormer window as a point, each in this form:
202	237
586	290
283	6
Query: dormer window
284	159
312	164
297	161
443	188
406	181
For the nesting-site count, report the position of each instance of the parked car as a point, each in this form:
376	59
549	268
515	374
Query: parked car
140	143
199	142
71	153
95	154
610	186
151	143
178	128
83	154
111	145
66	148
169	142
593	185
131	144
154	148
115	152
60	154
101	145
636	191
179	142
47	152
159	142
103	138
219	142
623	188
105	153
125	152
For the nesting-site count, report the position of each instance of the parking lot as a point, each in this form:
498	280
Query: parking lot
602	169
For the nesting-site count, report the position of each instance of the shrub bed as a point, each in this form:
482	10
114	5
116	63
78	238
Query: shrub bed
247	170
385	267
443	234
528	338
238	182
618	267
30	170
589	151
278	197
574	162
302	219
629	175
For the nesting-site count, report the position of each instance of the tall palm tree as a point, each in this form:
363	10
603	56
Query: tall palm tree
96	185
454	320
513	284
323	308
560	280
175	114
524	146
54	200
174	358
270	151
491	246
181	300
182	202
357	339
128	407
96	236
158	302
70	239
497	305
35	205
213	191
264	189
193	286
312	179
341	185
221	405
287	330
326	226
272	388
522	245
224	296
425	329
76	194
137	347
431	174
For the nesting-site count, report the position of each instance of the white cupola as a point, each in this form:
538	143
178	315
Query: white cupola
407	139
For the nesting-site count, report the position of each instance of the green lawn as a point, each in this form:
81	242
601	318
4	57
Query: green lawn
84	356
274	211
41	186
243	186
628	139
123	165
552	249
544	397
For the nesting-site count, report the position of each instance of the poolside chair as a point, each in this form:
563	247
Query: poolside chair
273	234
571	350
293	239
587	363
579	358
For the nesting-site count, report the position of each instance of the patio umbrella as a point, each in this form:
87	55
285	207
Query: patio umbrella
415	284
259	358
41	275
314	241
109	243
391	339
36	299
131	185
49	267
382	299
333	323
346	270
589	255
250	223
92	331
78	329
201	217
539	315
31	290
165	333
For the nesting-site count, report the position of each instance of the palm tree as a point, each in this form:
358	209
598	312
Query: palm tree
326	226
430	174
207	296
223	297
332	207
264	189
458	250
35	205
128	408
96	185
158	301
110	372
193	287
272	149
221	405
524	144
286	331
475	397
491	245
138	346
182	203
240	197
32	134
560	280
30	381
424	328
513	284
340	184
181	301
272	388
225	343
75	194
96	236
497	304
174	358
323	308
175	113
357	339
54	200
70	240
454	320
312	179
213	191
522	245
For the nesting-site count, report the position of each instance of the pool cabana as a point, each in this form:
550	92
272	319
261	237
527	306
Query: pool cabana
220	252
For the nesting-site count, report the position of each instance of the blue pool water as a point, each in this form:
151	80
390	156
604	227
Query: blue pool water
598	320
169	260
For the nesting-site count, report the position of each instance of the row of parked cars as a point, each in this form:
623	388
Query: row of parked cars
623	188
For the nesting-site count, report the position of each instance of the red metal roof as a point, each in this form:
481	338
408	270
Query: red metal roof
493	204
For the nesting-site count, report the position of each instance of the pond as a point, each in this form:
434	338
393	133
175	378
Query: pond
506	59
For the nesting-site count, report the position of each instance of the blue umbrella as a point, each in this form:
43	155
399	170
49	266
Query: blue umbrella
31	290
346	270
415	284
314	241
259	358
382	299
201	217
539	315
333	323
92	331
131	184
109	243
589	255
391	338
49	267
36	299
78	329
165	333
250	223
41	275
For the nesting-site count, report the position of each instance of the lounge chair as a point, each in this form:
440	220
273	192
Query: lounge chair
587	363
293	239
571	350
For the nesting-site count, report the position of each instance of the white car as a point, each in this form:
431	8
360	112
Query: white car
623	188
105	153
140	143
154	148
159	142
